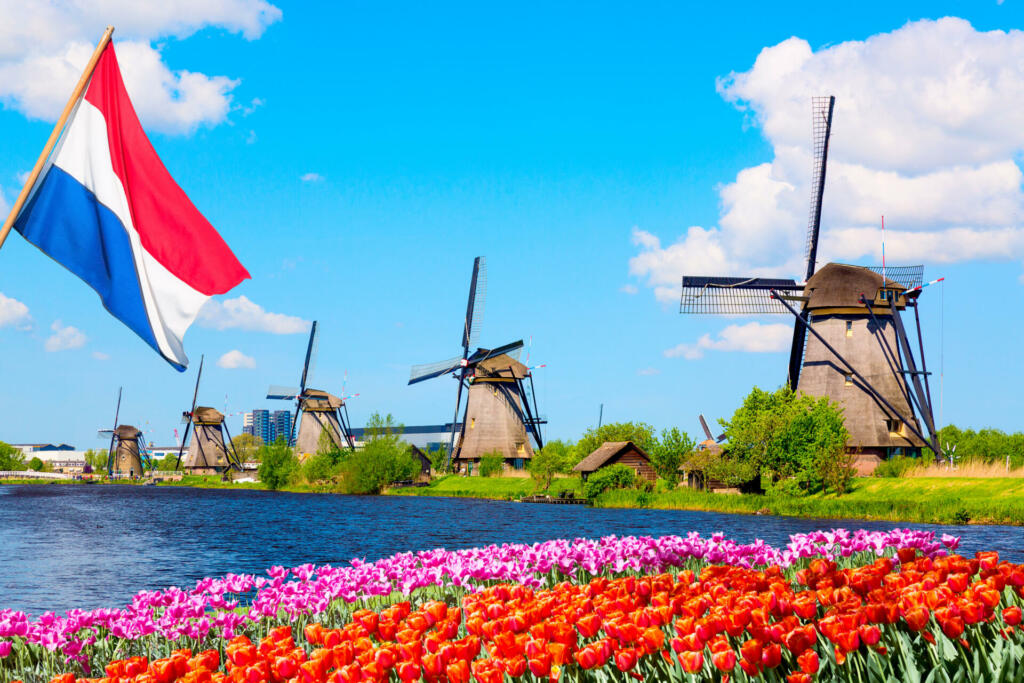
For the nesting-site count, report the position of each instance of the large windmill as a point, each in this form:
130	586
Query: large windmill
320	410
127	456
209	452
849	340
501	412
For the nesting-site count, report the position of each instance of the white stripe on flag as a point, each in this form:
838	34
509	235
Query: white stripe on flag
171	304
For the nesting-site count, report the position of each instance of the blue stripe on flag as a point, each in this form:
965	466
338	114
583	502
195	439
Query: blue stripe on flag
67	223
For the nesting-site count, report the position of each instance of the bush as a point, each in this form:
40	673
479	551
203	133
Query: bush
36	465
609	478
896	466
491	464
439	460
986	445
320	467
278	465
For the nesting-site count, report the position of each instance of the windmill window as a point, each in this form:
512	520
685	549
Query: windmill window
895	426
849	328
472	423
520	449
849	380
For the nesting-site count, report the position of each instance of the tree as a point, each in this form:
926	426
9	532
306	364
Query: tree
36	465
11	458
785	435
640	433
554	458
670	452
247	446
96	459
439	460
278	464
383	459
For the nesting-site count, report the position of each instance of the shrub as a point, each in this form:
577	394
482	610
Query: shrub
491	464
321	467
836	471
278	465
609	478
36	465
895	467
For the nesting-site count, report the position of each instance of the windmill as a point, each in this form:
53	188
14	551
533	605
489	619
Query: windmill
711	442
501	411
320	410
127	455
849	340
208	453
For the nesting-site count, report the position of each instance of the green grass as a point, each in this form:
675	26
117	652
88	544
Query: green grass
499	488
922	500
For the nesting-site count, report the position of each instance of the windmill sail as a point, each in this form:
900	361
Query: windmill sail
475	305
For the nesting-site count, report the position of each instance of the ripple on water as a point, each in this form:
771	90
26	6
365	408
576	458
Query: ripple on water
64	547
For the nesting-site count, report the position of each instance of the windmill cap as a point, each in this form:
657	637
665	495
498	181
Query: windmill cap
127	432
839	285
205	414
315	399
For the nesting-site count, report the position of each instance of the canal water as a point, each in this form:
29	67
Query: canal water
64	547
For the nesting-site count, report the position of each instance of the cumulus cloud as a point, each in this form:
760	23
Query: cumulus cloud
244	314
64	338
45	45
311	178
752	337
236	359
13	313
922	134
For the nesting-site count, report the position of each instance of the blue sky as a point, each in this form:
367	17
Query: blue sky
357	156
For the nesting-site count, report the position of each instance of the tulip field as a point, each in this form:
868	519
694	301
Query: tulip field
831	606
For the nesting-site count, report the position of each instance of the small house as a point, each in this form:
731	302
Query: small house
617	453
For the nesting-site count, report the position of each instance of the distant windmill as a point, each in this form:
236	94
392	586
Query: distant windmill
849	340
712	442
320	410
127	455
208	453
500	413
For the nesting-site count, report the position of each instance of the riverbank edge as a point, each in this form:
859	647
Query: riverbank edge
918	501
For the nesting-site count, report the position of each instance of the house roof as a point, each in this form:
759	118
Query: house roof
604	453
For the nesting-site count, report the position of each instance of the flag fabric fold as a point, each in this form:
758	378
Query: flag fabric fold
106	208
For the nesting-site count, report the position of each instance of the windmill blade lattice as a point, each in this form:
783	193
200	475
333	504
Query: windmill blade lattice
821	130
908	276
477	300
734	295
429	370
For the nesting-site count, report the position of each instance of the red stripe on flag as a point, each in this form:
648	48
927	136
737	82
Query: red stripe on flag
170	227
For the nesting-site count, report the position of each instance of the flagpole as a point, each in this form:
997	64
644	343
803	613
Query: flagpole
37	169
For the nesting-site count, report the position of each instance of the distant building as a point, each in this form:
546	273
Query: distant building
32	449
261	425
281	425
247	423
425	437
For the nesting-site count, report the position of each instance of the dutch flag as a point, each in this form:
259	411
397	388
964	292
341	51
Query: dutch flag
106	209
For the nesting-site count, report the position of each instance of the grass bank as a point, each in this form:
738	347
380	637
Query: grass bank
918	499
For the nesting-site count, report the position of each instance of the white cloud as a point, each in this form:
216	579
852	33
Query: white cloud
99	355
64	338
648	372
236	359
45	45
311	178
13	313
752	337
243	314
628	289
922	134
